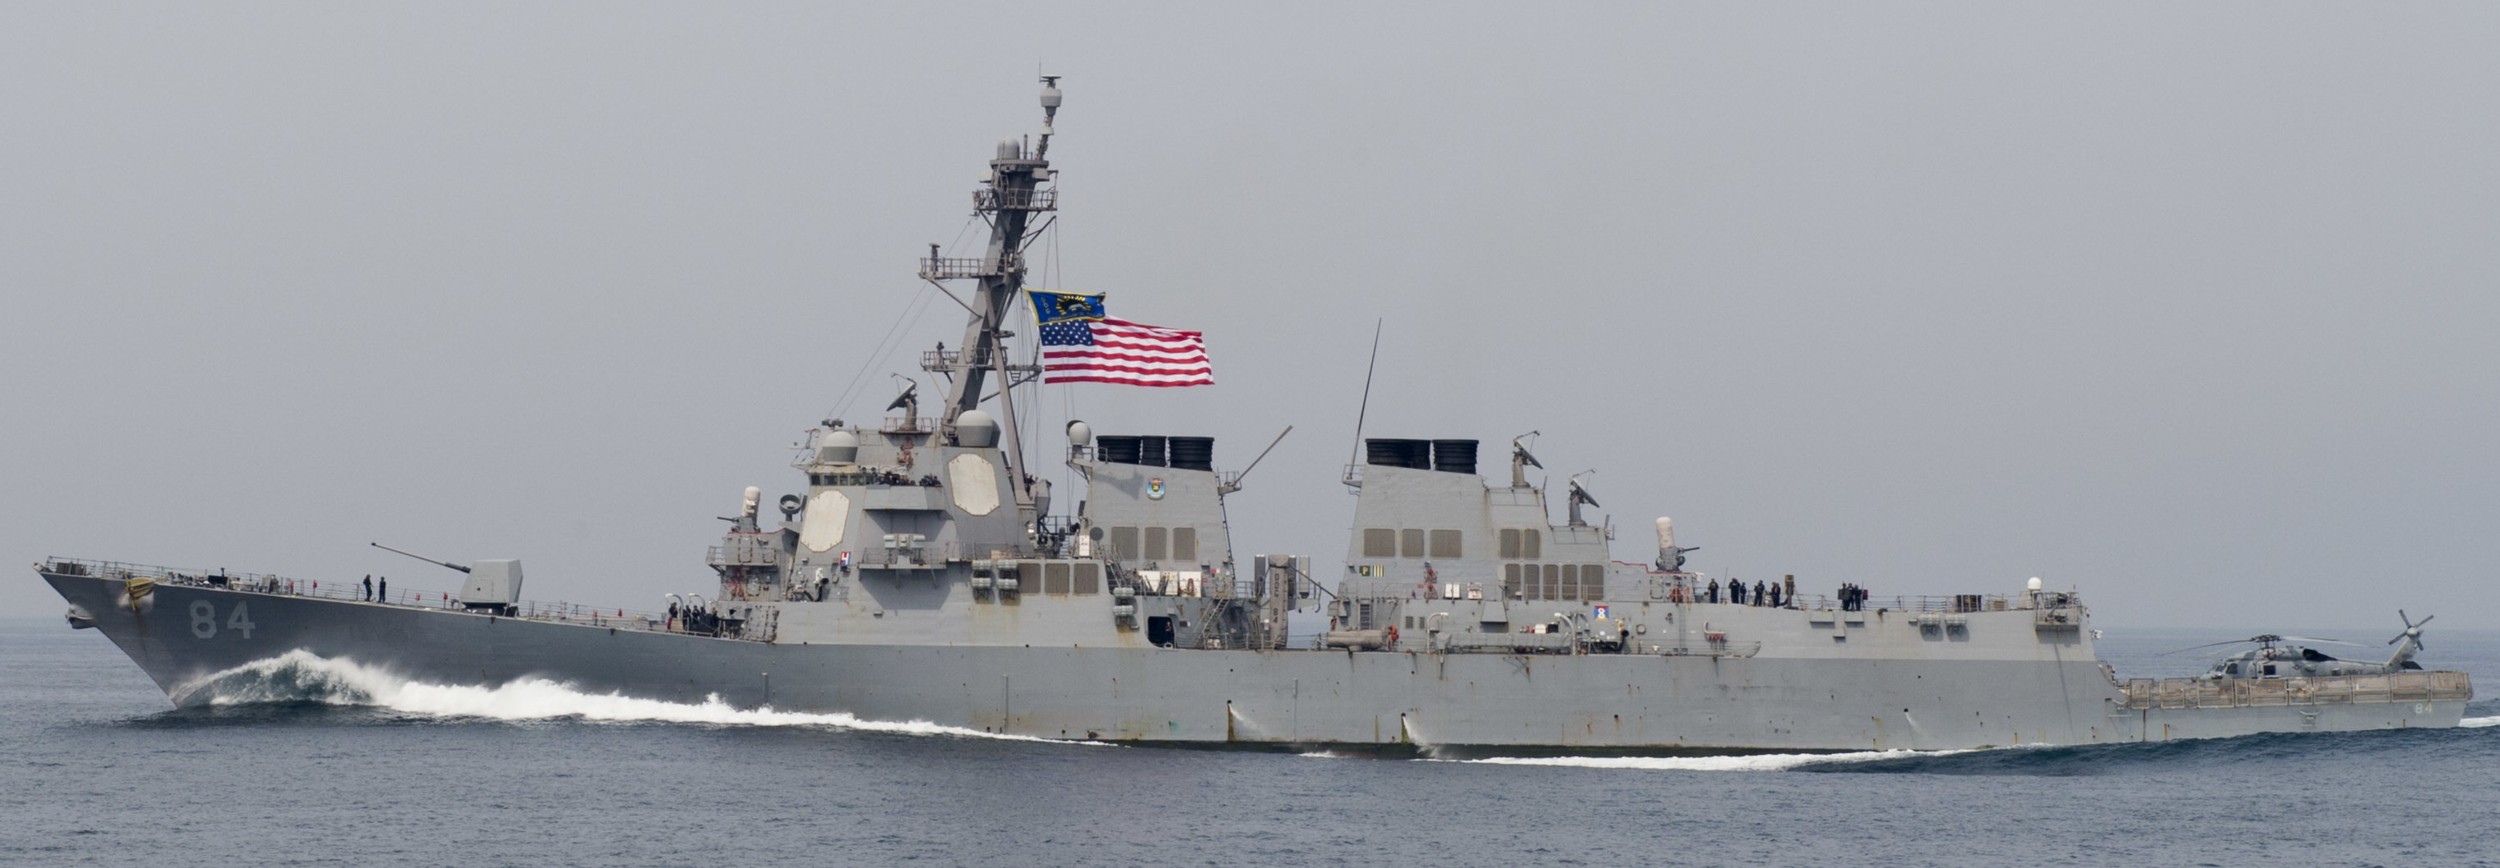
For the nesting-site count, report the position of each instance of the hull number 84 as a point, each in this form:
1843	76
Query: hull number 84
204	619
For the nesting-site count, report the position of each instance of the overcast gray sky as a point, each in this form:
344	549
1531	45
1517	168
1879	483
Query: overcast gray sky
2189	306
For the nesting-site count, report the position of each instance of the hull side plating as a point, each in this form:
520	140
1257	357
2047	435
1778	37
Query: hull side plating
1417	700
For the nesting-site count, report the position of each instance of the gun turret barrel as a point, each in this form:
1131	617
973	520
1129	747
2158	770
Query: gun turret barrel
420	557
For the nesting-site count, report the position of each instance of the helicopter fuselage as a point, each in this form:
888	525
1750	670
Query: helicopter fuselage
2298	661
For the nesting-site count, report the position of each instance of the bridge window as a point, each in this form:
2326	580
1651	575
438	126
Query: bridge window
1088	578
1531	544
1124	542
1508	543
1185	544
1445	544
1411	543
1055	577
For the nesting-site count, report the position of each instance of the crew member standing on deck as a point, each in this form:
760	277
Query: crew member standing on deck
382	590
368	587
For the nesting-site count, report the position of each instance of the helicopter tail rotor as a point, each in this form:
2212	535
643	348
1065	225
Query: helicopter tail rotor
2413	629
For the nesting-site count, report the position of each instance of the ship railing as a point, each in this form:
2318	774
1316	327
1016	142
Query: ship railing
948	360
352	590
908	425
258	583
2147	693
956	268
575	613
855	476
1567	643
1951	604
938	361
992	199
745	556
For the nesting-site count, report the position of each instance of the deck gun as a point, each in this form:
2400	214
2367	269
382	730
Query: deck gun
494	585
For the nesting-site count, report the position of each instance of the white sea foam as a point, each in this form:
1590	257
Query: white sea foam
2479	722
297	676
1769	762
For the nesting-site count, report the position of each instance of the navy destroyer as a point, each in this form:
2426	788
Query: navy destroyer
918	571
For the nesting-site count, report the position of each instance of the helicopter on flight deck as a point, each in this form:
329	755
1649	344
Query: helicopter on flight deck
2292	657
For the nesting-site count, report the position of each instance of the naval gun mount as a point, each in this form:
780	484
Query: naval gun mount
493	587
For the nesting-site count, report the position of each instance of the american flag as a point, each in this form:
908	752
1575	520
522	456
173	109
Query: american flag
1110	350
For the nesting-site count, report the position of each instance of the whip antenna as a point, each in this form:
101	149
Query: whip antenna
1352	458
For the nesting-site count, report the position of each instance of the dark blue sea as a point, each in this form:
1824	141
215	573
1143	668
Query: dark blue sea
333	770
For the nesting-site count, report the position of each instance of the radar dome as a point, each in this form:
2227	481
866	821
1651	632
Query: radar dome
838	447
1079	433
2034	584
976	429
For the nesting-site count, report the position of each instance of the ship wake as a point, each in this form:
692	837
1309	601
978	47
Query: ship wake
302	678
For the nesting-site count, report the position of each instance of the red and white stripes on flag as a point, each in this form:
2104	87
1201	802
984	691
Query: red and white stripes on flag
1118	351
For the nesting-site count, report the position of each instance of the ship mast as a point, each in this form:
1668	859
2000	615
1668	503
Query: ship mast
1009	198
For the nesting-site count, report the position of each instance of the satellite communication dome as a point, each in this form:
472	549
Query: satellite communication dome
838	447
976	429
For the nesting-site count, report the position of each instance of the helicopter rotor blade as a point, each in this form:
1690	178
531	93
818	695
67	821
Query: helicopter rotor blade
2208	645
2323	641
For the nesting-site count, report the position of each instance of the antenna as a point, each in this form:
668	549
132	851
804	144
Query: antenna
1235	485
1355	458
1520	460
1580	494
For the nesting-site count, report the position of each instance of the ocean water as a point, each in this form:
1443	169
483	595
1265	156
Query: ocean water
314	762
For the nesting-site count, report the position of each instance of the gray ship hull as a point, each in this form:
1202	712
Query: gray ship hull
1394	700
